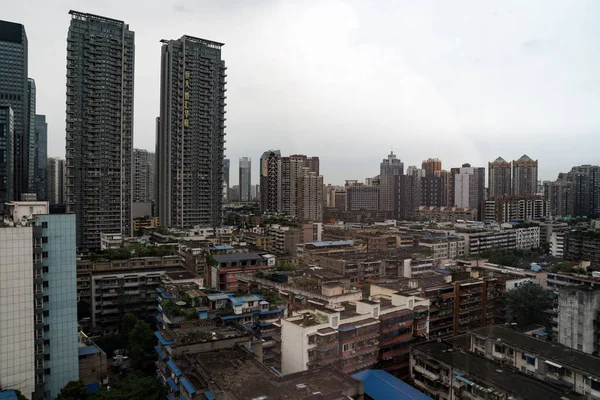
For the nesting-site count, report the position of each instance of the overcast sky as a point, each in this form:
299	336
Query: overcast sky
348	81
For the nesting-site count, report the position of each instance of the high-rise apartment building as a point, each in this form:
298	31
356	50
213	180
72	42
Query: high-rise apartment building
524	176
226	165
41	157
38	300
31	135
586	179
499	178
14	93
191	140
410	192
290	169
55	180
469	187
560	195
99	141
269	181
360	197
245	179
310	196
390	171
143	175
6	155
432	166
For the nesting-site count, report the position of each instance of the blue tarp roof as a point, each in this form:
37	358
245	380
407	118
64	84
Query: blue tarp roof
228	317
172	385
337	243
10	395
174	368
159	290
381	385
166	296
92	388
223	247
171	397
162	339
161	353
209	395
244	299
87	350
272	311
188	386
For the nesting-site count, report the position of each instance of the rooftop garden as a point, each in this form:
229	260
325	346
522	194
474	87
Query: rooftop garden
133	251
175	311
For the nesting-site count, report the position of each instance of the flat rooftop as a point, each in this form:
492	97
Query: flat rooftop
236	372
237	257
484	370
181	275
552	351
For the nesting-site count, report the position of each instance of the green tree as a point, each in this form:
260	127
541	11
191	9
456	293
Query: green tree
74	390
134	387
530	304
141	347
127	324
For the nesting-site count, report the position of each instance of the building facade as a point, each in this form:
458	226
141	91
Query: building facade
55	180
524	176
99	140
14	93
226	166
390	171
506	209
310	196
190	176
361	197
245	179
144	178
7	165
499	178
469	188
578	317
432	166
41	158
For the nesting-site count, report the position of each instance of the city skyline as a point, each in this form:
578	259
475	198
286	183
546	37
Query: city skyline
475	111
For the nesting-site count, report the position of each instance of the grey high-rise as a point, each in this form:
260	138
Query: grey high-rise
6	155
31	135
55	180
99	142
191	137
245	178
143	175
14	93
40	157
269	181
390	171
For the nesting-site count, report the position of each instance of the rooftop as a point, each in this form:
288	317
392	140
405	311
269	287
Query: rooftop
236	372
381	385
237	257
181	275
484	370
329	244
552	351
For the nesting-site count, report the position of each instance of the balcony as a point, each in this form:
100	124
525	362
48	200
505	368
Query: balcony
431	375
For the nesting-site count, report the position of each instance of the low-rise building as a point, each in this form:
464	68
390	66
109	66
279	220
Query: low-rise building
146	222
444	247
547	361
443	371
445	214
222	275
478	241
505	209
310	252
583	245
579	318
92	361
283	239
557	244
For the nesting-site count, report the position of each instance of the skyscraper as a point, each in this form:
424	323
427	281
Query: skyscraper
41	157
14	93
192	132
6	155
38	301
143	175
290	169
269	181
390	171
524	176
469	188
31	136
226	165
431	166
99	140
245	179
499	178
410	192
310	196
55	181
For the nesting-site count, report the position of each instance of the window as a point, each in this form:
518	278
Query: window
44	254
46	328
45	239
46	342
312	339
47	371
46	357
250	304
499	348
334	321
45	283
46	314
376	312
595	385
348	346
568	372
44	224
46	299
45	269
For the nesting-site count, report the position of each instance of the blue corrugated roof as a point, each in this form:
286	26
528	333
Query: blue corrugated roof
272	311
162	339
217	296
161	353
381	385
166	296
188	386
172	385
174	368
87	350
171	397
237	300
159	290
223	247
336	243
11	395
228	317
209	395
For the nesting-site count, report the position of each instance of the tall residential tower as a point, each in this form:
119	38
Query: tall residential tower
245	179
390	171
191	138
499	178
99	142
269	181
524	176
14	93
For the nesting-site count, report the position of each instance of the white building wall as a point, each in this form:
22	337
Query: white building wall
294	346
461	190
16	310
